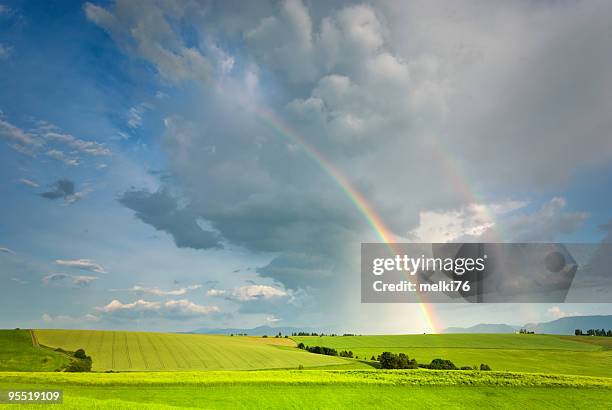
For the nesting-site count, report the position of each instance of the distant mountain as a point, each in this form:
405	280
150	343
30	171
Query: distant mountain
563	326
567	325
257	331
483	328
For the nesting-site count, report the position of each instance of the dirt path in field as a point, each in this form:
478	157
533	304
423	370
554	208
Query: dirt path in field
34	339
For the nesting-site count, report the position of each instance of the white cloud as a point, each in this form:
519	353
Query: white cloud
29	182
215	292
272	319
257	292
160	292
60	156
47	136
66	319
471	221
87	147
170	309
6	250
85	264
556	313
146	33
16	134
186	308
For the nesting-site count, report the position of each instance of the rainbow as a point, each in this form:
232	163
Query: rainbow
373	219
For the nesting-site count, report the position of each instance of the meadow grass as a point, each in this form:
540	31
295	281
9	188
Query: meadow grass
590	356
17	352
145	351
318	389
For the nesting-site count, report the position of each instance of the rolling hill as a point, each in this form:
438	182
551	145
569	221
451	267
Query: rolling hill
118	350
19	353
505	352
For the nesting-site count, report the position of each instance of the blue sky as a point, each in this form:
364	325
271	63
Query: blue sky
143	187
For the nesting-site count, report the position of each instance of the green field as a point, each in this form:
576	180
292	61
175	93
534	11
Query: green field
163	371
17	352
319	389
589	356
140	351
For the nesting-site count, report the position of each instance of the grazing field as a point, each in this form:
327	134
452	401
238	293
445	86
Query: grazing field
140	351
18	353
320	389
589	356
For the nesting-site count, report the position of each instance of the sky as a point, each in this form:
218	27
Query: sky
179	164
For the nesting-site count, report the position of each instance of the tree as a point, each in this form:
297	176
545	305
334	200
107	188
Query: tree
578	332
484	367
442	364
80	354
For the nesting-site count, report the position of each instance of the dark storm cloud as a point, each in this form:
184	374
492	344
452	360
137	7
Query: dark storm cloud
161	210
63	188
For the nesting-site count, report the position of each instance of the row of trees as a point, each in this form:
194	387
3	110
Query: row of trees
390	360
320	334
593	332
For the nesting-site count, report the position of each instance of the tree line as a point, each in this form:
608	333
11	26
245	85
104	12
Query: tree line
593	332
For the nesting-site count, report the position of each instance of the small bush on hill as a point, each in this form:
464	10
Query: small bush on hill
442	364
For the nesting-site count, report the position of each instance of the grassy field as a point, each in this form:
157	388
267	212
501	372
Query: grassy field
591	356
18	353
326	382
319	389
140	351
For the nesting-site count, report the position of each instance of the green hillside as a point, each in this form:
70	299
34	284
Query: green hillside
140	351
510	352
18	353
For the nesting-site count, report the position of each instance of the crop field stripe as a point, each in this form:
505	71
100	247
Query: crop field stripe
144	358
159	358
127	350
187	348
171	353
181	351
113	351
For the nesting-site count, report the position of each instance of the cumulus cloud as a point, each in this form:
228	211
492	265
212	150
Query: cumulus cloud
170	309
67	279
84	264
162	211
160	292
557	313
411	120
215	292
255	292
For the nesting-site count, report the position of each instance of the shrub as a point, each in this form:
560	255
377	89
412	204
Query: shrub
80	354
390	360
301	346
465	368
484	366
442	364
